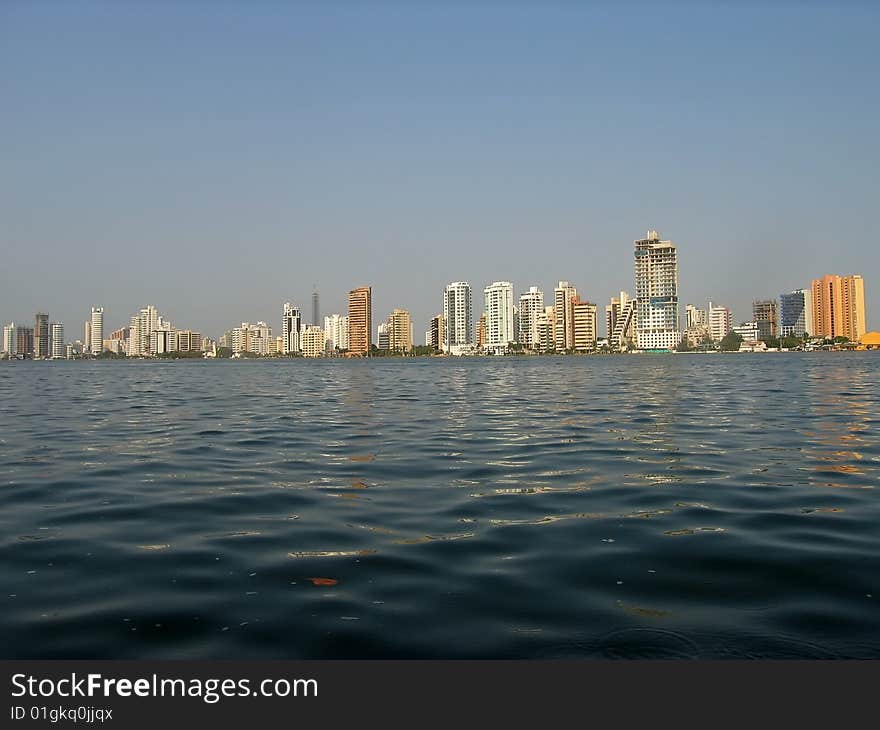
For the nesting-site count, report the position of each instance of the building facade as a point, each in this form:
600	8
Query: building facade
291	329
531	305
336	332
838	304
796	313
620	321
313	341
720	321
41	335
9	343
499	317
584	324
438	333
458	317
96	330
360	321
765	314
656	275
56	336
400	331
564	296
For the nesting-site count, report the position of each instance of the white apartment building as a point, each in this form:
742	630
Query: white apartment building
96	331
564	296
336	332
531	305
291	329
719	321
499	317
459	320
56	341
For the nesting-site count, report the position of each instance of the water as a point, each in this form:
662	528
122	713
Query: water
642	506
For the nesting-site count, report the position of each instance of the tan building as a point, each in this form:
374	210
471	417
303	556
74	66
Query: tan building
839	307
313	341
481	331
360	321
400	331
546	329
564	297
584	325
189	341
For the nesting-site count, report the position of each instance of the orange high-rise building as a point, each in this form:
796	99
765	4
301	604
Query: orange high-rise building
839	307
360	320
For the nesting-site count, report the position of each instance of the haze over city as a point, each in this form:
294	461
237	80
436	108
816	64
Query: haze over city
219	161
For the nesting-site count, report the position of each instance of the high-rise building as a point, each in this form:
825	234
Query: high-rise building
24	342
141	329
695	317
438	333
764	313
41	335
400	331
9	339
481	331
336	332
291	328
584	324
564	296
87	339
719	321
499	317
56	337
838	304
313	341
458	317
531	305
382	338
656	269
546	330
620	321
316	309
360	321
796	313
96	331
188	341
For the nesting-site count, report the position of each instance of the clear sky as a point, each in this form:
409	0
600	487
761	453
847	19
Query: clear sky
217	159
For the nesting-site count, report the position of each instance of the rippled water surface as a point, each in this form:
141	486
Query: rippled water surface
642	506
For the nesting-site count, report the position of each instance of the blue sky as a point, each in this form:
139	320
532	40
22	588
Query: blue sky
219	159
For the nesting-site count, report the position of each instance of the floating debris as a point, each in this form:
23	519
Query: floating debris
324	581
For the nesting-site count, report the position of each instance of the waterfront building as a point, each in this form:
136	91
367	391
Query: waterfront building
56	335
620	321
382	339
291	329
24	342
458	318
253	338
400	330
141	328
749	331
656	276
69	351
336	332
189	341
313	341
481	332
499	317
838	304
764	313
9	339
531	305
796	313
41	335
96	331
564	296
360	321
547	329
584	324
696	325
87	339
438	333
162	341
719	321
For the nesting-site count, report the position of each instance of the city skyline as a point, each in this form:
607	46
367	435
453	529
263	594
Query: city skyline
157	177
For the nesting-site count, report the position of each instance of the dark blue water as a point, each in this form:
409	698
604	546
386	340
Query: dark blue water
642	506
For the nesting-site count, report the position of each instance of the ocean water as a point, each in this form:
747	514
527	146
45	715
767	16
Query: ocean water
670	506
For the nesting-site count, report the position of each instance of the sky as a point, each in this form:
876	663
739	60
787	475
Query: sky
217	159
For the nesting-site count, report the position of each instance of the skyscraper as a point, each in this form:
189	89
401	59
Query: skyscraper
619	321
564	296
400	331
56	333
360	321
720	321
41	335
656	269
24	342
796	313
531	305
838	304
87	338
9	342
291	328
96	343
438	333
458	316
316	309
764	313
584	325
499	316
336	332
